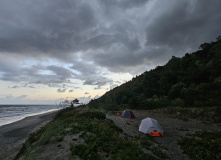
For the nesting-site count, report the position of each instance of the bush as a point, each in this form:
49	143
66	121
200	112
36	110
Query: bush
84	151
102	140
155	102
92	115
177	103
202	145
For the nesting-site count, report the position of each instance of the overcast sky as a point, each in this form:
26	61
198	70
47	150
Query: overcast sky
63	49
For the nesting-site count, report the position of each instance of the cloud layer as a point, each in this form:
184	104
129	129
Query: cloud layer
98	37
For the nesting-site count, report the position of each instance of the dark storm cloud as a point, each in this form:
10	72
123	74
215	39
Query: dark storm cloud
88	69
43	27
107	41
110	6
184	24
90	74
172	28
120	36
61	72
123	3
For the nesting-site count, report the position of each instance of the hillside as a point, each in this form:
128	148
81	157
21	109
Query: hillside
191	81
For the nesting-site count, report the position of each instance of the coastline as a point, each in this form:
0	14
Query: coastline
14	134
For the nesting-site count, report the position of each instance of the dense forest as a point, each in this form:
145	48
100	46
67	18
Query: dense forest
191	81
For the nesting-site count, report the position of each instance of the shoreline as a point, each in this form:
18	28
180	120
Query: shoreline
14	134
21	117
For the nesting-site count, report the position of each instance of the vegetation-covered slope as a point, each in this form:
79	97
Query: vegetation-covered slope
86	134
191	81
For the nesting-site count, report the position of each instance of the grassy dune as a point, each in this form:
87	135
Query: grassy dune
92	137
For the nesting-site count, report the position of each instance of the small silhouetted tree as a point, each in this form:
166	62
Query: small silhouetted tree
75	101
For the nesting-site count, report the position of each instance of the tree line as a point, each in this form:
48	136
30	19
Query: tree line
191	81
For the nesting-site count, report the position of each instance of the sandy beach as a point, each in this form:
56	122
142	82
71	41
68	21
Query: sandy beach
13	135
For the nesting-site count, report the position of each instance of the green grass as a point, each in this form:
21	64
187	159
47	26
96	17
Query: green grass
205	114
101	137
202	145
149	144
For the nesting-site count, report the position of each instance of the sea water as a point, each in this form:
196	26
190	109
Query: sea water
13	113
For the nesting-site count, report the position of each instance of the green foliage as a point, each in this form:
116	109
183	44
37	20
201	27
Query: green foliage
205	114
84	151
178	102
147	143
157	151
101	137
156	102
60	138
92	115
202	145
39	137
101	140
190	81
176	90
133	102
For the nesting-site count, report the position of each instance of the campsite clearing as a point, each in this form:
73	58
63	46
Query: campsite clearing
173	129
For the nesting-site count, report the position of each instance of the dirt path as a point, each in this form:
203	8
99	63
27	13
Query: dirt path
174	129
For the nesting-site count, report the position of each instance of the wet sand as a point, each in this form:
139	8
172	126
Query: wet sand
14	134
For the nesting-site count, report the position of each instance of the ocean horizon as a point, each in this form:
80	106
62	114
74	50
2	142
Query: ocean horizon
13	113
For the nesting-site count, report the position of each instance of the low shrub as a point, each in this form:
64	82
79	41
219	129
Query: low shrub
202	145
102	140
84	152
156	102
92	115
99	137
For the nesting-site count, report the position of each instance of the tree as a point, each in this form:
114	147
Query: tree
175	91
218	38
75	101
